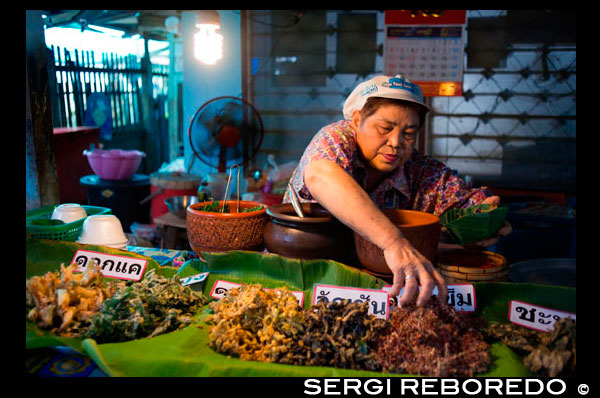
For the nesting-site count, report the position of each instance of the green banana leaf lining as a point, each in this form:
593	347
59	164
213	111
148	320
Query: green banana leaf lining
185	352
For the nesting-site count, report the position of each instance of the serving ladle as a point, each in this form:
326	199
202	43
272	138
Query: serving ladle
295	201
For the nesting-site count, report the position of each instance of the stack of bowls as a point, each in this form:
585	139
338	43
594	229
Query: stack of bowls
103	230
68	212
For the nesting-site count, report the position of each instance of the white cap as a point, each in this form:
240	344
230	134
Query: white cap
396	87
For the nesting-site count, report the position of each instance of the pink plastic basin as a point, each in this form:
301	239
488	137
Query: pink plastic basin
114	164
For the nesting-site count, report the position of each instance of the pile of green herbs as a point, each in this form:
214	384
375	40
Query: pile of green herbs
150	307
215	207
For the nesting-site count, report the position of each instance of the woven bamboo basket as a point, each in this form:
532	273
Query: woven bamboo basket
218	232
465	266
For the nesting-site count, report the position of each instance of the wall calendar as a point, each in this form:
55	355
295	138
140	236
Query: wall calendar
429	50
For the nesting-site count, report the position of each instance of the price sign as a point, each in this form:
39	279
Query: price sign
112	265
220	289
534	316
378	299
461	296
194	279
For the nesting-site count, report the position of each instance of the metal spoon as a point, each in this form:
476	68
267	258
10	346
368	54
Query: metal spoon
295	201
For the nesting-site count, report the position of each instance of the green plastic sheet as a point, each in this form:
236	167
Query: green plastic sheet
185	352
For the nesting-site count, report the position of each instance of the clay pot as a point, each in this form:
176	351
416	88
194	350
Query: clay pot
318	235
421	229
217	232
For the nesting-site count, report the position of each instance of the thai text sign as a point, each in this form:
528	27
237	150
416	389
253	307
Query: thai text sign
535	317
194	279
112	265
378	299
461	296
220	289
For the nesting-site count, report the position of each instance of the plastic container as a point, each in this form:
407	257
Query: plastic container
114	164
104	230
68	212
37	223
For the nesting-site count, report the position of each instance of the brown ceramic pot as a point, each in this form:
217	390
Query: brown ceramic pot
217	232
318	235
421	229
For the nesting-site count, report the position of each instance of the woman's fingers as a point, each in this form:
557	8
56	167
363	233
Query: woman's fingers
411	288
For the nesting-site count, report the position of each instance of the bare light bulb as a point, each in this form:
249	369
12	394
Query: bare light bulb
208	44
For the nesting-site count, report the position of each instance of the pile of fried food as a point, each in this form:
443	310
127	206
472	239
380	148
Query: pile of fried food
148	308
255	324
433	340
548	354
85	305
64	302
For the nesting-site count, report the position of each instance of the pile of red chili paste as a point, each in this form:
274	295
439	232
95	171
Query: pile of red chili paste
433	340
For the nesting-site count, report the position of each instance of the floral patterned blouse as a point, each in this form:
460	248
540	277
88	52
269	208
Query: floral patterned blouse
422	183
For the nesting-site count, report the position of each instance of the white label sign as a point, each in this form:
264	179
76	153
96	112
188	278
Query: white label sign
194	279
220	289
379	299
461	296
112	265
535	317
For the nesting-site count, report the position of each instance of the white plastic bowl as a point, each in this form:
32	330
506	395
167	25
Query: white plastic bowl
68	212
104	230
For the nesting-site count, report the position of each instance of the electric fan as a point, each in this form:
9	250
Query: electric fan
226	131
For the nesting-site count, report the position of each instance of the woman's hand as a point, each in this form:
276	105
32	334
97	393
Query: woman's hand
339	193
411	268
505	230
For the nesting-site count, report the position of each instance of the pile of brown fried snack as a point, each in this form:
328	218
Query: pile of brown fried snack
64	301
546	354
254	324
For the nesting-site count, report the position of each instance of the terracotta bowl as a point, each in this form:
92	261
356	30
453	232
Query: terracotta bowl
217	232
421	229
318	235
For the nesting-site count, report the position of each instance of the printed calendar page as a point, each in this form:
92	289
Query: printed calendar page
429	55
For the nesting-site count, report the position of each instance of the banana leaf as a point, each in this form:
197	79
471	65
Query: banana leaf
473	223
185	352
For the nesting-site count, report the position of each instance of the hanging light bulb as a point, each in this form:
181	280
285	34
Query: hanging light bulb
208	44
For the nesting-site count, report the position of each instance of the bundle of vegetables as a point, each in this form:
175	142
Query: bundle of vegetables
147	308
433	340
548	354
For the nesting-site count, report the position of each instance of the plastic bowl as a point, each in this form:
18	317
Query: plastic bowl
104	230
68	212
114	164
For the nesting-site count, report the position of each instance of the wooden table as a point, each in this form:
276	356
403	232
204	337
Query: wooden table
173	232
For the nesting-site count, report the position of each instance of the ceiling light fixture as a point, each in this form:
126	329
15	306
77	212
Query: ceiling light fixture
208	44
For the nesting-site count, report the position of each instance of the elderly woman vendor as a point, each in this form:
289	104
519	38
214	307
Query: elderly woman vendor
368	161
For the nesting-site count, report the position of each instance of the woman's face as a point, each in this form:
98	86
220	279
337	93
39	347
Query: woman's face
387	137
